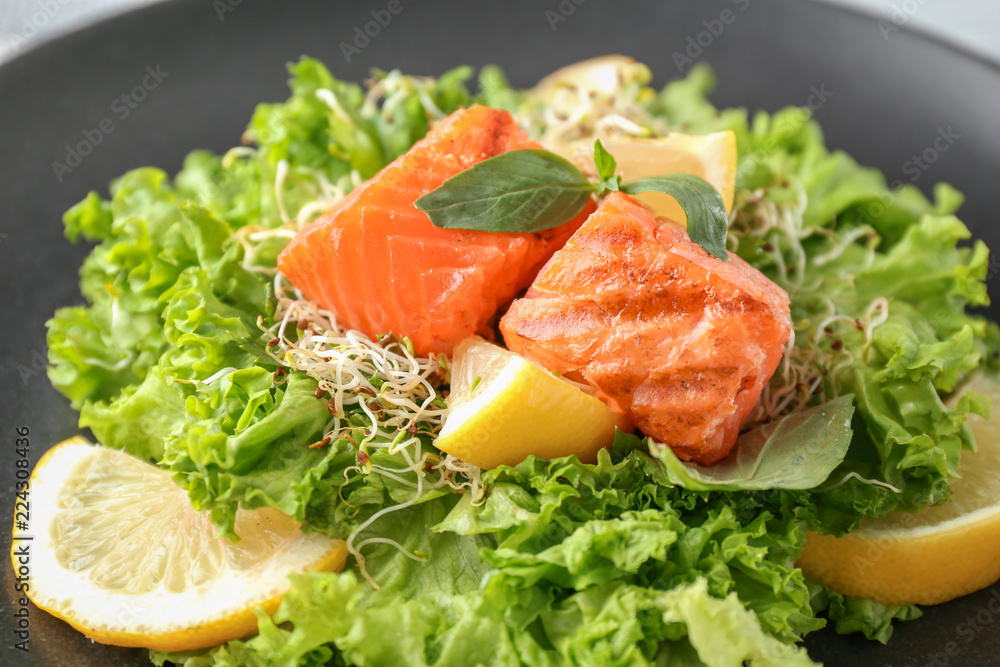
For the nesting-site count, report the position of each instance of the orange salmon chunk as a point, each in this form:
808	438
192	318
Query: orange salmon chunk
676	340
380	265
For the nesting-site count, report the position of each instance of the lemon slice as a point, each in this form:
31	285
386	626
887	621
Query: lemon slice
602	76
503	408
117	551
933	556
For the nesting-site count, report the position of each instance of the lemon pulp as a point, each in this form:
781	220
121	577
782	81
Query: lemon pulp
120	554
504	408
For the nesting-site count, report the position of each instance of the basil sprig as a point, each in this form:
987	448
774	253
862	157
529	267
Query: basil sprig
606	168
532	190
518	191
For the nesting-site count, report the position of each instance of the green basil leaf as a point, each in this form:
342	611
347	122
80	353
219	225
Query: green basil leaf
707	220
798	451
605	161
612	184
606	166
519	191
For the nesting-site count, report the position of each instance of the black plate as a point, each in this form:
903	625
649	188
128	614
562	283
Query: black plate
887	96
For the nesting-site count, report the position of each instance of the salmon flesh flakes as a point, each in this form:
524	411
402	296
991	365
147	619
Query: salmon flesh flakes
676	340
381	266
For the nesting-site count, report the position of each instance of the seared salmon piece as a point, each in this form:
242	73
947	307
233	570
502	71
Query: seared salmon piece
381	266
676	340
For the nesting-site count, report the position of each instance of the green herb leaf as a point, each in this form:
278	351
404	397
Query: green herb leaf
518	191
605	161
798	451
707	220
606	166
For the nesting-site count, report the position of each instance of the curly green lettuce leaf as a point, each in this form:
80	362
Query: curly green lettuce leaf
495	90
201	335
437	614
95	353
706	618
430	607
141	419
213	414
326	130
908	442
873	619
563	526
246	445
150	241
233	187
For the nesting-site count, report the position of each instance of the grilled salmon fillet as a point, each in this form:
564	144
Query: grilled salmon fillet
381	266
676	340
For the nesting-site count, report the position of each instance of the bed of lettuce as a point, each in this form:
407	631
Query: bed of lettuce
564	563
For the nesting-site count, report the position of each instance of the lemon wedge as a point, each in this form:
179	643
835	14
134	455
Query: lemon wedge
710	156
117	551
932	556
504	407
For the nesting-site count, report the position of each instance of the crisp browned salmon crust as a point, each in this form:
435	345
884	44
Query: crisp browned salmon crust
676	340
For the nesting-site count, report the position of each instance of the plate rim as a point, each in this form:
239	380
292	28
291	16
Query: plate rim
103	22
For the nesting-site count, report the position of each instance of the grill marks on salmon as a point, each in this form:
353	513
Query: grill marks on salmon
676	340
381	266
